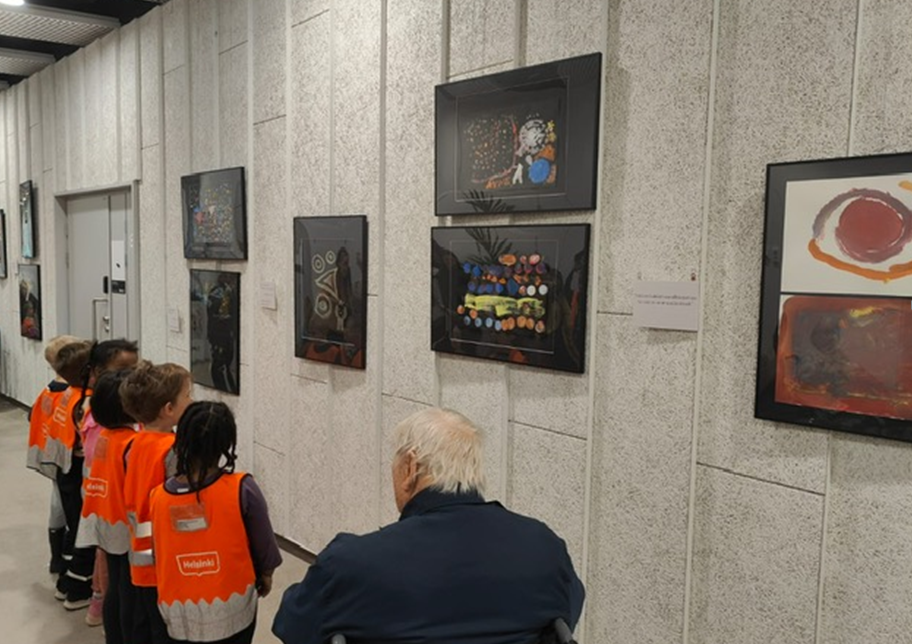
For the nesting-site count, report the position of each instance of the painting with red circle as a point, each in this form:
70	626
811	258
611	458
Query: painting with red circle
846	354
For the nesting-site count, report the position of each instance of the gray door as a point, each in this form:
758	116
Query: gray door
96	248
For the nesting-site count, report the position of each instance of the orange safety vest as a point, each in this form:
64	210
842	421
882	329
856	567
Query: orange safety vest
39	427
104	517
147	469
62	434
206	580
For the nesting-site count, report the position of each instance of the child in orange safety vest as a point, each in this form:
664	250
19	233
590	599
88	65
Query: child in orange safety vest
104	516
156	396
38	457
213	543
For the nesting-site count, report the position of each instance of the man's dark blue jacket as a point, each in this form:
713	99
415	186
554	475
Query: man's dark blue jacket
452	569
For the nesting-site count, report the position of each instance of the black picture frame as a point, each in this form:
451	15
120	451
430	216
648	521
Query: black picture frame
30	309
524	140
214	208
331	289
514	294
836	297
4	261
215	329
28	230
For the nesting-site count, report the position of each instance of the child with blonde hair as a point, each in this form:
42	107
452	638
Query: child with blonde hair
37	459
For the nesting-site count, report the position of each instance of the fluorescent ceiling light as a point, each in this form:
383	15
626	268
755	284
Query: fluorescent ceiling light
13	3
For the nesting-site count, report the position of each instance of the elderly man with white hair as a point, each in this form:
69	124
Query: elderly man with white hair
454	568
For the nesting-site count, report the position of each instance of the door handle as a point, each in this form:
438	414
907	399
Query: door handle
95	301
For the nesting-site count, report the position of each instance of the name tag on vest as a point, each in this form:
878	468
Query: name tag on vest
189	518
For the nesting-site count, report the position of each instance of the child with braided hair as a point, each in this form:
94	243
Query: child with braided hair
214	547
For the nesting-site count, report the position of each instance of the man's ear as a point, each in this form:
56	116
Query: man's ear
412	469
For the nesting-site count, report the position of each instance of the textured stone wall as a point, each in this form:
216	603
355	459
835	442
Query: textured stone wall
690	520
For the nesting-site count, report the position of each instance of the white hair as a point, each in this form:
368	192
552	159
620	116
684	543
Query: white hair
447	448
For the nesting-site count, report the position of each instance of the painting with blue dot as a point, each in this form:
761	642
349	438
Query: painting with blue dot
519	141
511	293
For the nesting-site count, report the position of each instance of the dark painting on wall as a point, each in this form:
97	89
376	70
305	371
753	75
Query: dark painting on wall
214	215
27	228
511	293
30	301
4	266
215	329
836	311
519	141
331	289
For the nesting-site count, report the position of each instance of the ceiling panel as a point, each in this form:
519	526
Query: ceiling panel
67	27
23	63
58	28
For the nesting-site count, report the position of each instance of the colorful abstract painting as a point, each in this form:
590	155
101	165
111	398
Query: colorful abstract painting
835	342
519	141
511	293
215	329
30	324
214	215
331	289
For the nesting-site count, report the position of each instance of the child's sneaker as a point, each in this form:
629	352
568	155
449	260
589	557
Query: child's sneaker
93	616
77	600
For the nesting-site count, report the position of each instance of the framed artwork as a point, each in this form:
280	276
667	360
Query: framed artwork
331	289
214	215
525	140
27	220
30	301
511	293
215	329
836	308
4	267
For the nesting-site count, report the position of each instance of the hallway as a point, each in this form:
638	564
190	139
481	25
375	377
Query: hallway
29	614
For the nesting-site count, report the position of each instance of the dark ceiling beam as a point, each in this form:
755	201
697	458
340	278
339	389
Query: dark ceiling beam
123	10
57	50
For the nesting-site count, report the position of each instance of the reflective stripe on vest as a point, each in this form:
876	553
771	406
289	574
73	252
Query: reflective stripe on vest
206	581
103	505
142	558
146	469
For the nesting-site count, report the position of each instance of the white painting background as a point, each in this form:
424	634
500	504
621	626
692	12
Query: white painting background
801	272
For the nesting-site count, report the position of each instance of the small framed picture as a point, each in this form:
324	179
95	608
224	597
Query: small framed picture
836	310
215	215
511	293
525	140
331	289
215	329
27	220
30	301
4	270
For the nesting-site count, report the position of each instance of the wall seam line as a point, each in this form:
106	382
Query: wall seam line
850	143
381	287
701	334
593	321
749	477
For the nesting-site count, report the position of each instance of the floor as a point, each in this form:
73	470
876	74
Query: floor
29	614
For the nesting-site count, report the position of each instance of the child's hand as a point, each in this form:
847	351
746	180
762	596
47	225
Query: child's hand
264	585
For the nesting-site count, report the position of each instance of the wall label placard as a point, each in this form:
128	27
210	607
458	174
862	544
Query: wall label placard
673	306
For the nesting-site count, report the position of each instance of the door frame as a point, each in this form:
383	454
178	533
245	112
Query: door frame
61	251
